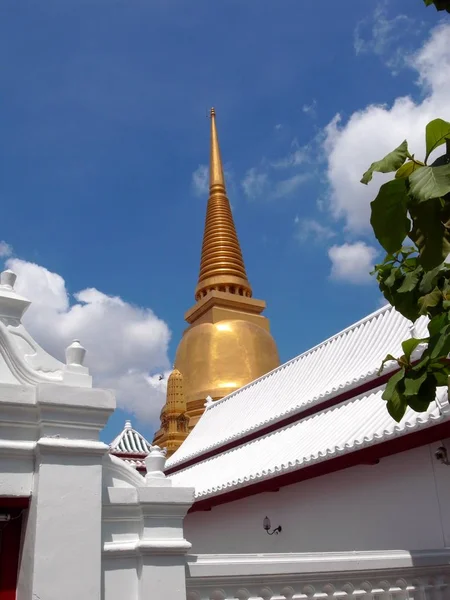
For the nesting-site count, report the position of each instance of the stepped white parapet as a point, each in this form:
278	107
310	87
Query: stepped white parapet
22	360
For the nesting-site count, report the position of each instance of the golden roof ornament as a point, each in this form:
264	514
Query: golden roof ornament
222	266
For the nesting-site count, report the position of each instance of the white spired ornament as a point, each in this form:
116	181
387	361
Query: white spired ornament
75	354
155	463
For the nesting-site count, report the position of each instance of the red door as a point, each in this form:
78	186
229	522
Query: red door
12	513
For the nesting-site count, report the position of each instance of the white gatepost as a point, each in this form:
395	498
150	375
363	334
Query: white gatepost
163	546
63	533
144	546
50	459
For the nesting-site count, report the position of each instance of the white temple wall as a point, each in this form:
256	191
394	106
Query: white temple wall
142	529
94	528
401	503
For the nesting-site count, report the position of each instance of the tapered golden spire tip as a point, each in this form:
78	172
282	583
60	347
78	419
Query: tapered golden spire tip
222	266
216	177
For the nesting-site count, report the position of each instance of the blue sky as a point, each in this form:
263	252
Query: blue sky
104	133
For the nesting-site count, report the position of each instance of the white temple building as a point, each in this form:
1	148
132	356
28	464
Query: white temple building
297	486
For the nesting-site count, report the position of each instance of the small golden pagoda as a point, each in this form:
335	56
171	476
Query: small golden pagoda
228	342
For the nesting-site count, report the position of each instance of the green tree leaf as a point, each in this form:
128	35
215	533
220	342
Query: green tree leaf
397	404
388	358
418	403
430	232
411	280
408	346
441	377
389	215
429	182
436	133
438	324
430	300
429	279
441	346
439	4
393	394
408	168
391	162
413	383
392	384
394	274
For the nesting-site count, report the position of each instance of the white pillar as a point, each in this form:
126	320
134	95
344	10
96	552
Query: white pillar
62	546
162	546
144	547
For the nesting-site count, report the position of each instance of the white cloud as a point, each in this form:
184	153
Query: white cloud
297	156
310	109
288	186
352	262
270	181
126	345
258	184
371	133
310	229
5	249
200	180
255	183
387	38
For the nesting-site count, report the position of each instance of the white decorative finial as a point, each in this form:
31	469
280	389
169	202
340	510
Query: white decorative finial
208	402
75	353
8	278
155	462
128	424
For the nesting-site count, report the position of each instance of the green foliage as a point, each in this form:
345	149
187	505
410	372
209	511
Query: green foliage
439	4
389	214
430	231
429	182
436	133
391	162
415	279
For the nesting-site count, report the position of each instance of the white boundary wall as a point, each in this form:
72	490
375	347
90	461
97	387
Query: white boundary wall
348	576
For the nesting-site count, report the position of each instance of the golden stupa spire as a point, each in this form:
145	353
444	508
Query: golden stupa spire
222	266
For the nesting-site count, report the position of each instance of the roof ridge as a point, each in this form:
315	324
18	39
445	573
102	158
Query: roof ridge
127	432
317	405
412	422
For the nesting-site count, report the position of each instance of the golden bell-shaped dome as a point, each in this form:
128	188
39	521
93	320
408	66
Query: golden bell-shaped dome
219	358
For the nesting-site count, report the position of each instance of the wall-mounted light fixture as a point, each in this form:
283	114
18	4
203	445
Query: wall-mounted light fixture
442	456
266	525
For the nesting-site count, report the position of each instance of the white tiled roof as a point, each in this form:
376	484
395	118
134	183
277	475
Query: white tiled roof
130	441
135	462
342	362
357	423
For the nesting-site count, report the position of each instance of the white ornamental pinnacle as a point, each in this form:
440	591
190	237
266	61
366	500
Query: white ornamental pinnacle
8	279
12	304
155	463
75	353
128	424
208	402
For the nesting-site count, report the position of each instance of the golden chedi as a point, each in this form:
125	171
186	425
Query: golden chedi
228	342
174	422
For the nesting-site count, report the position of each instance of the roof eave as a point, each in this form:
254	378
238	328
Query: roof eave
370	455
